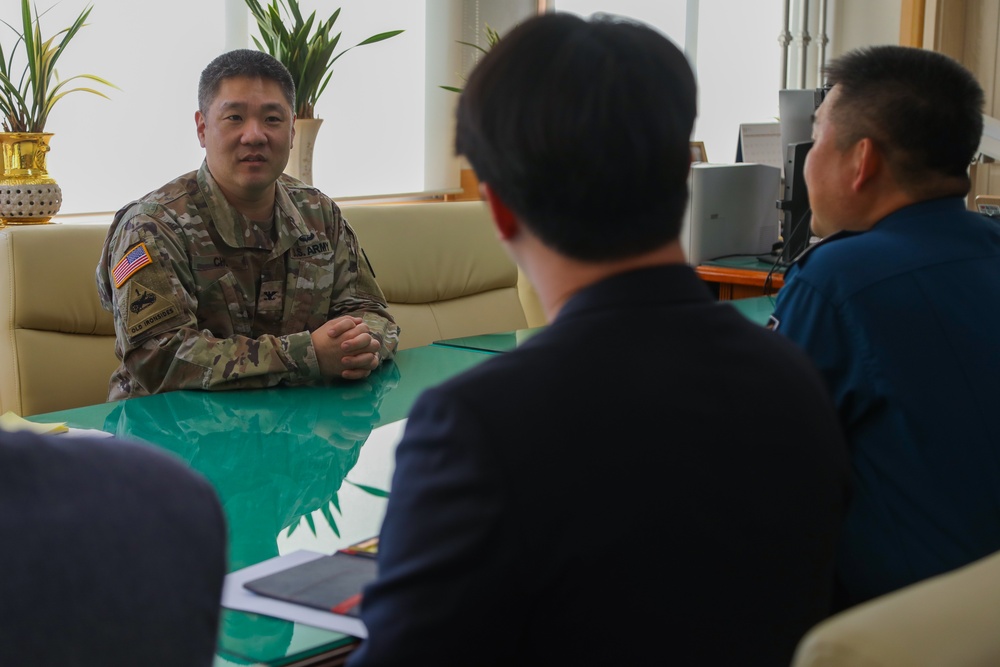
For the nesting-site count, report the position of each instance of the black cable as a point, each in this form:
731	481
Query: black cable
782	259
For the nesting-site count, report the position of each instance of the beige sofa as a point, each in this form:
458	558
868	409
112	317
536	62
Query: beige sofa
951	620
442	270
57	345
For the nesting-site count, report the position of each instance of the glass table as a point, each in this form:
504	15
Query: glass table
293	471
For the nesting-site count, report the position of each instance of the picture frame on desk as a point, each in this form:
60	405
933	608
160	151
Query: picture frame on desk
988	205
698	153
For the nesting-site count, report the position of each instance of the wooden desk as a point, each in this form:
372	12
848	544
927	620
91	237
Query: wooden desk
741	277
292	470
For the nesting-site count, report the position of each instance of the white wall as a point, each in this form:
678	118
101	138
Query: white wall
865	23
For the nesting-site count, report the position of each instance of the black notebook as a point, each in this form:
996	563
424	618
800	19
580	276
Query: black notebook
331	583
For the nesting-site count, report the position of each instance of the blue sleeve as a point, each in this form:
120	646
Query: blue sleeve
834	341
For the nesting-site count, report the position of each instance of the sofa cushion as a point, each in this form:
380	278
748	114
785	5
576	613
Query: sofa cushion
56	342
441	268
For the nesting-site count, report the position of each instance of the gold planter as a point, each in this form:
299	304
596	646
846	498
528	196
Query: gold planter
28	195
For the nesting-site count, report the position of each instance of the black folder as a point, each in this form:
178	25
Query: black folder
332	583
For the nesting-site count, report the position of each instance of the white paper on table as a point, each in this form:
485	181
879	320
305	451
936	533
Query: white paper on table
13	422
86	433
10	421
235	596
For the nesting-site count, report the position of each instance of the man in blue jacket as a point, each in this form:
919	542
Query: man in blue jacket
653	478
899	307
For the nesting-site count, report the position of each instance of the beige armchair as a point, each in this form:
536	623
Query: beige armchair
57	345
951	620
441	267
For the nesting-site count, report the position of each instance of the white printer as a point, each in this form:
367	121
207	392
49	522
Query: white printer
732	210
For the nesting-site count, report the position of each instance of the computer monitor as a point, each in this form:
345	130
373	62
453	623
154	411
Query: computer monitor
761	143
795	221
795	115
731	210
797	109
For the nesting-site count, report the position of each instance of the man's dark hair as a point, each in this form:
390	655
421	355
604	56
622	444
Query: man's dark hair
921	108
243	62
583	128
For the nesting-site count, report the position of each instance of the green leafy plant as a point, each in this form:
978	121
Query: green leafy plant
306	49
26	103
492	37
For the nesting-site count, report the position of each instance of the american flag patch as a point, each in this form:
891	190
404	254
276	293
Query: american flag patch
135	259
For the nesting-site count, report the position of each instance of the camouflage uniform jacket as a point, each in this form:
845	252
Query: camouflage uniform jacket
203	298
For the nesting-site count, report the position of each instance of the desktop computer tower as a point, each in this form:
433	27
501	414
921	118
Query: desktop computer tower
796	234
732	210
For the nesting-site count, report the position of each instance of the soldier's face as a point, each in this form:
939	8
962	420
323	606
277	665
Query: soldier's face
247	134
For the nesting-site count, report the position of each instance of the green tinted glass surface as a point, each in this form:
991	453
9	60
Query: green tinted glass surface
291	467
496	342
756	309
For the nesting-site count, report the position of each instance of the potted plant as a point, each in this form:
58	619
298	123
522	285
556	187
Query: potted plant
467	178
306	48
492	37
30	194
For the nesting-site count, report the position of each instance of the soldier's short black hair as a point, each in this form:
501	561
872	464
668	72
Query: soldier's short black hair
583	127
922	108
243	62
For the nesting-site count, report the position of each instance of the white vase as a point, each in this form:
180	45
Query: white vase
300	159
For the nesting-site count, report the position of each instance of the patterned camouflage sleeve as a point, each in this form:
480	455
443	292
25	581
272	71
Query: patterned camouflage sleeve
146	281
357	292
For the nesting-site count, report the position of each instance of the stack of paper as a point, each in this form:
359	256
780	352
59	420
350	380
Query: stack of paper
12	422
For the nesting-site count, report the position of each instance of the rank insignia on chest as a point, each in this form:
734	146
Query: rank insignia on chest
271	293
134	259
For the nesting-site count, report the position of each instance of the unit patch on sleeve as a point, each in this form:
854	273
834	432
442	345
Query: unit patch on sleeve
146	307
134	259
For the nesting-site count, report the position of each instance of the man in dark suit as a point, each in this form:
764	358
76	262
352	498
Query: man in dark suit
652	478
114	555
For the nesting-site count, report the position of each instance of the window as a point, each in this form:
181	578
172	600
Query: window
733	47
387	123
107	152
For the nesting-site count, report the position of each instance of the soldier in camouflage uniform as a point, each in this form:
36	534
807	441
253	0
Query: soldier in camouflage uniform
237	275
